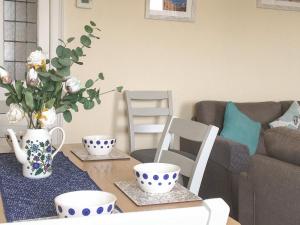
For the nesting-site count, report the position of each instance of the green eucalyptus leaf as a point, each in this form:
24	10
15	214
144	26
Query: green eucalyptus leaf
94	36
60	50
120	88
68	116
67	53
50	103
79	63
74	107
88	29
85	41
19	89
64	72
45	74
88	105
89	83
79	51
61	109
29	99
92	93
69	40
74	56
9	100
101	76
55	63
93	23
98	100
82	100
55	78
65	61
62	41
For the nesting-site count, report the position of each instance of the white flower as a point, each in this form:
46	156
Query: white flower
15	113
72	85
32	78
47	117
5	77
37	59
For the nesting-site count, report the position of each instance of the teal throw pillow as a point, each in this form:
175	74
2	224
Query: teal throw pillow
240	128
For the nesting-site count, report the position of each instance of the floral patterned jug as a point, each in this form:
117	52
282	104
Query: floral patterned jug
36	153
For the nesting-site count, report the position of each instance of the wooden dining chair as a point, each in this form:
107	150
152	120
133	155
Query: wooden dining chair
135	113
194	131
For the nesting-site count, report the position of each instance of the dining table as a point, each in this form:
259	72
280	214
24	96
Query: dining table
105	173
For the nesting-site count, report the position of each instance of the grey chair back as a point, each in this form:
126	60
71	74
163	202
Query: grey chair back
134	112
193	131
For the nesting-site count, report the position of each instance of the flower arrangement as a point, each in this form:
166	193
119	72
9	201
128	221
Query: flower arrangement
49	88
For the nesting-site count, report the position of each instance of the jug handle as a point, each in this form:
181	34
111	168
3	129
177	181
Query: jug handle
62	141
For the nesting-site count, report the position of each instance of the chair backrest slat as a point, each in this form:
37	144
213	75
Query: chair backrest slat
150	111
155	112
188	129
148	95
149	128
194	131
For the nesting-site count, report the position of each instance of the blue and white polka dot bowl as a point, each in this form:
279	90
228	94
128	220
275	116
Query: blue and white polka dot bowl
156	177
84	203
98	145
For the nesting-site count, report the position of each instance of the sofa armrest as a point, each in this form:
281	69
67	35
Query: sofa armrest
276	188
231	155
226	153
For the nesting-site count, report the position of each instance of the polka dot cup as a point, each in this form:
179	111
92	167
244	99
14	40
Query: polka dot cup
156	177
84	203
98	145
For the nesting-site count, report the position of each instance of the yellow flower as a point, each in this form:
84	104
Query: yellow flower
46	117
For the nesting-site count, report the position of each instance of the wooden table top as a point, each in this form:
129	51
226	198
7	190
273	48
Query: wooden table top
105	173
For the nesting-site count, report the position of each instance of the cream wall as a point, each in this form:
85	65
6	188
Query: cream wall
233	51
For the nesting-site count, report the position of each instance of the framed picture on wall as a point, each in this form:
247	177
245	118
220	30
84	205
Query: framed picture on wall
180	10
85	4
279	4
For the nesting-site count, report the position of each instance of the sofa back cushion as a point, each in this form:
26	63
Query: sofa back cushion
283	144
212	112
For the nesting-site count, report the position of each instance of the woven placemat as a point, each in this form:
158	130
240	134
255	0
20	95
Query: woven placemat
141	198
115	154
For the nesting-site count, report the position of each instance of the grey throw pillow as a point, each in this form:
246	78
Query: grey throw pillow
290	119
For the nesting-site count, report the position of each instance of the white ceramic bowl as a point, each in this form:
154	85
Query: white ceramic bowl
156	177
19	136
84	203
98	145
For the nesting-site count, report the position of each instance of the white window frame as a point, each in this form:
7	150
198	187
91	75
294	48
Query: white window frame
1	33
50	12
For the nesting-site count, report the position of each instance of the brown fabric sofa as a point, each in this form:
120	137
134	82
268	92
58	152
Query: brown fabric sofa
269	193
229	159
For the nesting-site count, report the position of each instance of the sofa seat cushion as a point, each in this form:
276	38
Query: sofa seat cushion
283	144
240	128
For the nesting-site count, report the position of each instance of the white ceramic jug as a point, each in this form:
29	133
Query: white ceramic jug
36	153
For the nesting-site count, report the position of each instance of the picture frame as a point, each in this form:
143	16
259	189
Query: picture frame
85	4
178	10
279	4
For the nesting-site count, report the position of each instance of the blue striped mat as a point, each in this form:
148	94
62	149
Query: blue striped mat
25	199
